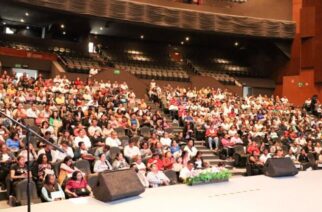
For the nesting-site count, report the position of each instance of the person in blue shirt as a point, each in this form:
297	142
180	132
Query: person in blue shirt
175	149
14	143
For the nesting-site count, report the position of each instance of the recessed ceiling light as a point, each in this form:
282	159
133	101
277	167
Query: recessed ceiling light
95	32
142	36
182	42
4	23
22	20
101	28
27	27
26	14
236	43
62	26
187	38
64	33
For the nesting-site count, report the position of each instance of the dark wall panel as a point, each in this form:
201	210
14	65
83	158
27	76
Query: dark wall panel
8	61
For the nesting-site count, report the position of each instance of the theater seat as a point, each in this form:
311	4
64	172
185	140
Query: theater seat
84	166
21	192
172	175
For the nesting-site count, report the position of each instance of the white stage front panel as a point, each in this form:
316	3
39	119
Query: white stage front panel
259	193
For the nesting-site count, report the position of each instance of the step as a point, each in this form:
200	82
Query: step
215	159
3	195
202	148
199	142
205	151
238	171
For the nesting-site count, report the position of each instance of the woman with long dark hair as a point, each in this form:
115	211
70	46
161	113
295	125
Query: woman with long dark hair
51	190
66	170
41	169
77	186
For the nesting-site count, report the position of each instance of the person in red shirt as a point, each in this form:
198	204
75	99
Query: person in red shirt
168	161
156	160
77	186
253	147
212	137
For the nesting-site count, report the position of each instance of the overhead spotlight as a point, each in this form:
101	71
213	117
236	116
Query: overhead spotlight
95	33
236	43
27	27
101	28
4	23
26	14
22	20
64	33
182	42
187	38
142	36
62	26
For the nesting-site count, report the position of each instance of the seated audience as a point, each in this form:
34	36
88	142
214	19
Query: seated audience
66	170
157	177
120	162
51	190
187	171
102	164
77	186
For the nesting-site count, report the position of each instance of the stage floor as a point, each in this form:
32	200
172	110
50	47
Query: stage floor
259	193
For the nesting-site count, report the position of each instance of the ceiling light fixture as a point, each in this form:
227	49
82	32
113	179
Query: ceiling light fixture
142	36
64	33
101	28
182	42
22	20
28	27
62	26
26	14
187	38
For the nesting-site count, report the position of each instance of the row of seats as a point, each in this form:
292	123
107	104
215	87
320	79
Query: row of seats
79	64
156	63
170	75
223	78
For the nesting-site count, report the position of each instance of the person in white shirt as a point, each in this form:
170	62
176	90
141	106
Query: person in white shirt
139	164
263	158
93	128
48	148
113	140
191	149
131	151
187	171
236	139
156	177
166	140
68	151
32	112
84	138
102	164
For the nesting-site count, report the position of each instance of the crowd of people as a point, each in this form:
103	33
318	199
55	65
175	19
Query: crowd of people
101	123
105	125
261	126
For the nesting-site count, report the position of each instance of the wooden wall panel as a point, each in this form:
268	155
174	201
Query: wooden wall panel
307	22
307	53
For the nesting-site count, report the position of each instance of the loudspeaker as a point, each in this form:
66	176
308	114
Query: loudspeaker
279	167
116	185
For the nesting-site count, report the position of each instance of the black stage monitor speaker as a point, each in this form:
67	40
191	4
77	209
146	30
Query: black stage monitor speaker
279	167
116	185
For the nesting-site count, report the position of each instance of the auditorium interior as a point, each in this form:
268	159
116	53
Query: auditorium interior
123	104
